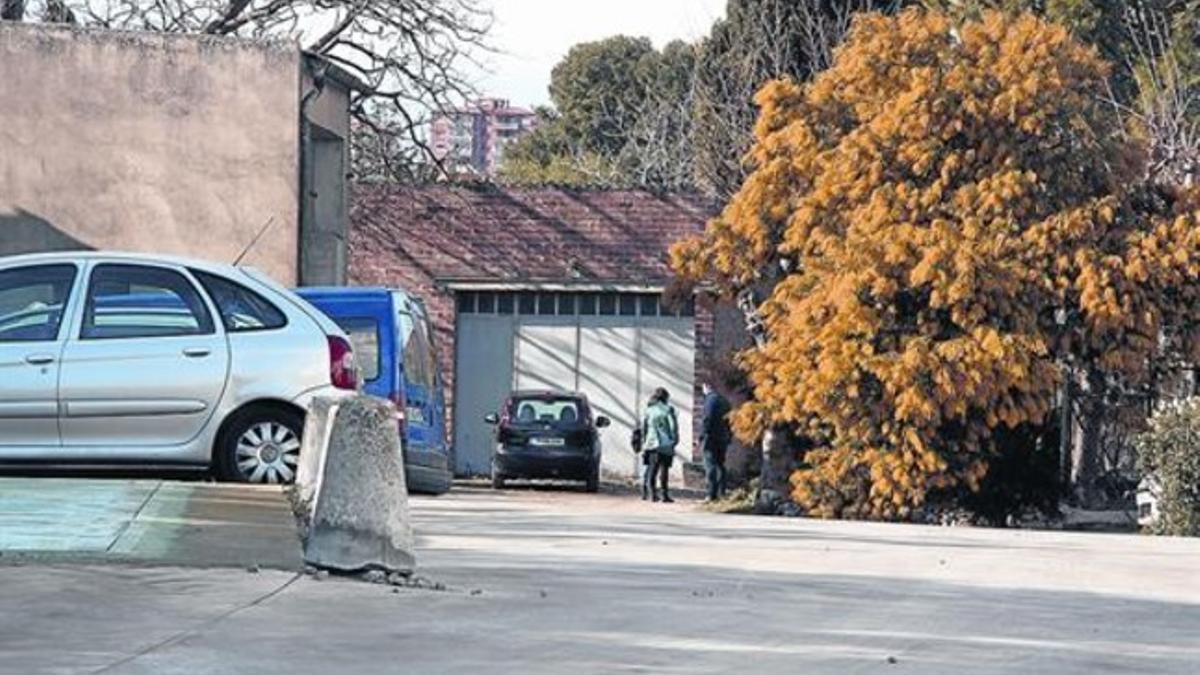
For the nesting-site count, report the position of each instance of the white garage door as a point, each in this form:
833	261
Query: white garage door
483	360
615	348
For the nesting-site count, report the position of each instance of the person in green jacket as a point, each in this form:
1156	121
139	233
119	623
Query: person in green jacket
660	436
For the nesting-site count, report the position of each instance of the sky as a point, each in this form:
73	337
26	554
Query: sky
530	36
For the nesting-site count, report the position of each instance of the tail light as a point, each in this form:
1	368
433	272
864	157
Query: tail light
343	370
398	399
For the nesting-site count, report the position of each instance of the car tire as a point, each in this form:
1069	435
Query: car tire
497	479
593	480
260	445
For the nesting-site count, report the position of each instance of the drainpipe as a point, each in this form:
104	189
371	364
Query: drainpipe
307	181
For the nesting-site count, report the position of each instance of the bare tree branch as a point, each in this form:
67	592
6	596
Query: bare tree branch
761	40
1166	111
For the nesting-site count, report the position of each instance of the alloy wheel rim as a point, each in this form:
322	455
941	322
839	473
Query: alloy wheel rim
267	453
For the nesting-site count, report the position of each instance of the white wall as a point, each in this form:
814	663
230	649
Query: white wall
616	361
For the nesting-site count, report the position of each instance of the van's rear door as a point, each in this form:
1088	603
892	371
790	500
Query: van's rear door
420	378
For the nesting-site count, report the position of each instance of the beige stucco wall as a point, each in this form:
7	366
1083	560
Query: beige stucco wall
173	144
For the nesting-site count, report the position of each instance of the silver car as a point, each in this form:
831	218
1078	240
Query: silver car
109	359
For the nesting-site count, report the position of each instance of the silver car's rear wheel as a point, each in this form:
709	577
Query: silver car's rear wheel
267	453
262	447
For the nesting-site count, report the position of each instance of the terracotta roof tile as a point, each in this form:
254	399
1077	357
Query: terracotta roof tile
487	232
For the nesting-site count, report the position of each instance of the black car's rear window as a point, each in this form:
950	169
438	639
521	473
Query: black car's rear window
543	409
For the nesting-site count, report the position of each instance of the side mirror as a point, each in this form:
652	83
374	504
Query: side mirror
492	418
602	422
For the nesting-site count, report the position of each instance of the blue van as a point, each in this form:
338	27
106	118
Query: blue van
397	359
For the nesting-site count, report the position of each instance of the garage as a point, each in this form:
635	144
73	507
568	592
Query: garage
542	287
616	345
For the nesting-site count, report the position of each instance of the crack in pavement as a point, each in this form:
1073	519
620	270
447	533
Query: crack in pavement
204	625
132	519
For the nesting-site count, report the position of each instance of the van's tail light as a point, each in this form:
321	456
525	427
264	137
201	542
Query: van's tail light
398	399
343	370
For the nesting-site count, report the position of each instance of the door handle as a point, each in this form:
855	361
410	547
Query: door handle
39	359
196	352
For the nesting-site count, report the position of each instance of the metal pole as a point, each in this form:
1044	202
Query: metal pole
1064	431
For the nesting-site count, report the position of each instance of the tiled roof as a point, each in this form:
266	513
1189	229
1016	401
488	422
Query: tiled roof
486	232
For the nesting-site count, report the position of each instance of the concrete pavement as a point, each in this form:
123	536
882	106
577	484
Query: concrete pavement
150	521
542	582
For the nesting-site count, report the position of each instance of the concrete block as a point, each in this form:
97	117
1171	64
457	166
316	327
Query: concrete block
360	516
318	425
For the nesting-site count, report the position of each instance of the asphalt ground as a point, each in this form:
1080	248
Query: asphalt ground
543	581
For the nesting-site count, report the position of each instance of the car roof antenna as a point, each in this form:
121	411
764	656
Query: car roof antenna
261	231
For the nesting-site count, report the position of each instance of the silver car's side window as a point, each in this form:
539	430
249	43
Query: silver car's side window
32	302
242	310
138	301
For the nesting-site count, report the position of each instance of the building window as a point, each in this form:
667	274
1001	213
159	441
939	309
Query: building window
570	303
587	304
466	303
504	303
649	305
486	303
527	303
566	304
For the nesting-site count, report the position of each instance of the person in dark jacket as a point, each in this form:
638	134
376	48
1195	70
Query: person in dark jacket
715	437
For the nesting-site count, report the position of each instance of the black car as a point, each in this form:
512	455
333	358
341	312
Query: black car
547	434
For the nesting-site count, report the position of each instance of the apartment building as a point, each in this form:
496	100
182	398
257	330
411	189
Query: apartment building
471	140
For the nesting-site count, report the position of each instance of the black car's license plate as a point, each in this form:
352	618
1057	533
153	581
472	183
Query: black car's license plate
548	441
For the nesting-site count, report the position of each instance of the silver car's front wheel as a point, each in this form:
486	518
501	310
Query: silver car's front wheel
263	448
